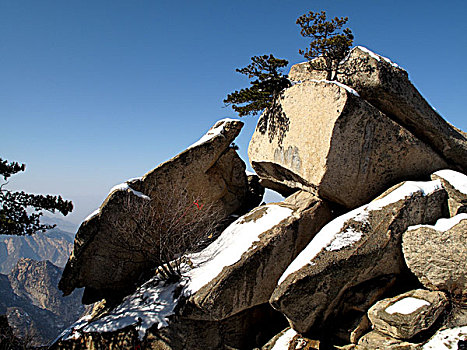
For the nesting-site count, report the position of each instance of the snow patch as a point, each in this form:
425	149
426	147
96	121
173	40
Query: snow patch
125	186
378	57
455	179
331	237
152	303
344	239
283	342
446	339
94	213
249	173
406	306
214	131
442	225
231	244
73	331
120	187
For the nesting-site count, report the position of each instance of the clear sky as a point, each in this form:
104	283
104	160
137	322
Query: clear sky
95	92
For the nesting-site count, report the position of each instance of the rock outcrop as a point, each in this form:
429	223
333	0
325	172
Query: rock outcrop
437	254
251	280
387	87
338	146
106	259
339	278
365	246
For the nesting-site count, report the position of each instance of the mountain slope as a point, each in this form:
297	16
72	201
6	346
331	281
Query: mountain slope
35	308
54	245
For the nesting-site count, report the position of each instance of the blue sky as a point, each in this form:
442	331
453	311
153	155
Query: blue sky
95	92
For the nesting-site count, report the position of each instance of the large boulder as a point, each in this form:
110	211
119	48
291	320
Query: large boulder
437	254
406	315
248	258
387	87
108	258
337	145
341	270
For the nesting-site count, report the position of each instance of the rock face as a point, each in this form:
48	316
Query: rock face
365	246
209	173
33	304
338	146
408	314
54	245
387	87
251	280
455	184
378	341
437	254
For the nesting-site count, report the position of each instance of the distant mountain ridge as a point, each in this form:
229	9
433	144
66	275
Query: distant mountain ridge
54	245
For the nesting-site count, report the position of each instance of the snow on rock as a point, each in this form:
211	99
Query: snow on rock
456	179
236	239
406	306
121	187
216	130
283	342
331	238
378	57
442	225
125	186
151	304
155	300
446	339
94	213
344	239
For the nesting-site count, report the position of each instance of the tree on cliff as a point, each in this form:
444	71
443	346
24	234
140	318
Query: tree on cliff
14	206
329	41
267	83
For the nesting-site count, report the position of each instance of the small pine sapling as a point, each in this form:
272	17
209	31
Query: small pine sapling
330	41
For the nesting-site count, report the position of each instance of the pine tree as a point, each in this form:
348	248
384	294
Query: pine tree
268	83
14	216
329	41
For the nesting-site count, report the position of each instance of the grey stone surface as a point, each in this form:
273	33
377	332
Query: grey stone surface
353	256
337	145
437	254
406	315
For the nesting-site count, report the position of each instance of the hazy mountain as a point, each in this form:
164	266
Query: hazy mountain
35	307
54	245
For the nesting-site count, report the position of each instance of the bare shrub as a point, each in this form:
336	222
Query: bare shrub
160	231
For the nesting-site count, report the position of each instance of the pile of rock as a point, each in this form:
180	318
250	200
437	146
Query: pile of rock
339	266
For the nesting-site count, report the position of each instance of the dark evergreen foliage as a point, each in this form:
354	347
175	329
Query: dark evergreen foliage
329	41
267	84
14	216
